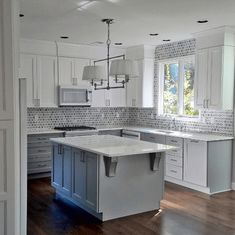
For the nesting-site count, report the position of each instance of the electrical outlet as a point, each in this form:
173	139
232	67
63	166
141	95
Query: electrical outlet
117	115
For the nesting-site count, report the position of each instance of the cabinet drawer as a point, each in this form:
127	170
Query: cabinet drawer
39	144
39	150
39	165
39	157
174	141
160	139
42	138
176	152
174	160
174	171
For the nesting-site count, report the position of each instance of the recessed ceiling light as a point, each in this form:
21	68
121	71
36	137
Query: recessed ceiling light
118	43
202	21
166	40
21	15
64	37
153	34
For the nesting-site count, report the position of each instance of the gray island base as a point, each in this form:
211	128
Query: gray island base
109	176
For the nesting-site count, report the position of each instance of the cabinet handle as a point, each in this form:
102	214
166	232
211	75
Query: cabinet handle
207	103
82	157
194	141
173	160
173	171
204	103
42	165
60	149
174	141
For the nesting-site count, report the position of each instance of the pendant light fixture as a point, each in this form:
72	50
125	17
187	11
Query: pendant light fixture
121	69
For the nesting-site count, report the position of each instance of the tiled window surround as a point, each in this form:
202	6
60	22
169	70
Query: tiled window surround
220	122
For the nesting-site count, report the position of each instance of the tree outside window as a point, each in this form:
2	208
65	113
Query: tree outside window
177	87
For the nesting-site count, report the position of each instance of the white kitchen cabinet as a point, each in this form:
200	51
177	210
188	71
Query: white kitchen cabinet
71	70
195	162
48	81
109	98
28	69
84	185
215	78
42	79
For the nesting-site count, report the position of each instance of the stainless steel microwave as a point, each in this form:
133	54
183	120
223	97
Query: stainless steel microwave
75	96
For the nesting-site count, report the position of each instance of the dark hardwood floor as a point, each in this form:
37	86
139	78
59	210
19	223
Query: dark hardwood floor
185	212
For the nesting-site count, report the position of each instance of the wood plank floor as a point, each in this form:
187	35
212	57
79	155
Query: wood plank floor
185	212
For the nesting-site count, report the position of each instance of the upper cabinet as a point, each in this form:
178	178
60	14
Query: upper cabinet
42	79
140	90
214	83
71	70
215	75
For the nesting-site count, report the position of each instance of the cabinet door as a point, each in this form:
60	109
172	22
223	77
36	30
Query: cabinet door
195	162
215	77
79	65
67	171
91	179
131	93
48	78
66	71
98	98
57	166
79	176
201	81
28	69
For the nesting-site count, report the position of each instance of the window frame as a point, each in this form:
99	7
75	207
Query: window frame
181	61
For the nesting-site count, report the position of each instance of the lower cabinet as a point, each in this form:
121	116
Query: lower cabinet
195	162
84	180
62	169
75	174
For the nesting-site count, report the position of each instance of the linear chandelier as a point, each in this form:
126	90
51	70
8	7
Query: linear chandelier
121	69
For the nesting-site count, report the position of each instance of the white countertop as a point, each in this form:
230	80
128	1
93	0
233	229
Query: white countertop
112	146
151	130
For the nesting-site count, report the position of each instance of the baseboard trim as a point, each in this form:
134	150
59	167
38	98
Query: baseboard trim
233	185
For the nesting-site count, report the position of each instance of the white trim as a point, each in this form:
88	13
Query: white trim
233	185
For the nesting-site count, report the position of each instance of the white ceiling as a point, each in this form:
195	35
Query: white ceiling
134	19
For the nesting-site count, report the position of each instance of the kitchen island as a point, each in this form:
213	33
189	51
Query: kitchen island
109	176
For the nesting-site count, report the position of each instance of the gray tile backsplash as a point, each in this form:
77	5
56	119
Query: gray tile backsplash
220	122
51	117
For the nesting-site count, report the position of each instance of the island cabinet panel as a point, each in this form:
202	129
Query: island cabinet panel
57	167
67	170
84	171
62	166
78	172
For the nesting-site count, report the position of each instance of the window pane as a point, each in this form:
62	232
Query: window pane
189	73
171	88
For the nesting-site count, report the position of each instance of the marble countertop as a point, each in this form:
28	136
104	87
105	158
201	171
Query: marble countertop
151	130
112	146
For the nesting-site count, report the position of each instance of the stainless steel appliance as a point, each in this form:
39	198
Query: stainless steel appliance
75	96
70	131
131	134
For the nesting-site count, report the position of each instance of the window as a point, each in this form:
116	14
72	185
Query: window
176	87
